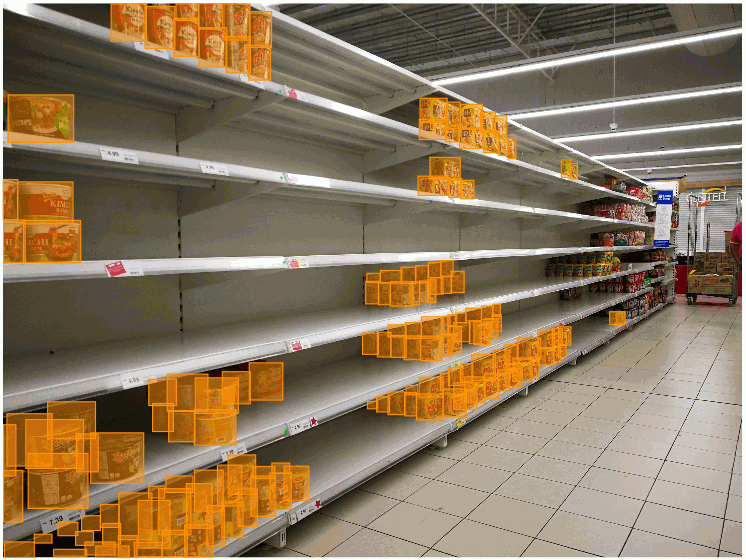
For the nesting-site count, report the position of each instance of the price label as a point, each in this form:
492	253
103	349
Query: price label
301	425
456	256
5	142
213	168
295	94
290	178
298	345
307	509
121	156
119	269
296	263
49	524
132	380
459	423
160	53
239	449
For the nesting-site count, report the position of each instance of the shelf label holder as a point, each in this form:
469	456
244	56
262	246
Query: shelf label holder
119	269
120	156
213	168
130	380
302	425
49	524
239	449
298	344
160	53
296	262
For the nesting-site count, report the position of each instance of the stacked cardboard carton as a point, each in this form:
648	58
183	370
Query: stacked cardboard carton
713	273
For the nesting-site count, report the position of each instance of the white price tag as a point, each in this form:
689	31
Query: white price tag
49	524
239	449
290	178
119	269
456	256
293	262
213	168
160	53
5	142
298	344
132	380
301	425
121	156
292	518
307	509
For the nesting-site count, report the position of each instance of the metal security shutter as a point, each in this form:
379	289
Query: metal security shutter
721	216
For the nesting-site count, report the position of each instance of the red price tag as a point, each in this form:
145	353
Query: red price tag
292	93
115	269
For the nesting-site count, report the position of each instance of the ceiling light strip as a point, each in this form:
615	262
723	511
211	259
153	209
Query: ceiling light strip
611	52
683	166
633	155
656	130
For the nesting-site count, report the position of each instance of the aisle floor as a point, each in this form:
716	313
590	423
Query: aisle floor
634	451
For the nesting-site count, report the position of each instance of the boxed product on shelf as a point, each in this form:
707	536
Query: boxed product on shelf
187	11
212	47
237	21
211	15
10	199
41	200
261	64
53	241
41	119
186	42
128	22
159	32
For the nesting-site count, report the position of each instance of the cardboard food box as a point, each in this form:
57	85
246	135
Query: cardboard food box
718	280
720	290
695	284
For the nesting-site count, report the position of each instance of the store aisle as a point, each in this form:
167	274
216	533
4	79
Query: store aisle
634	451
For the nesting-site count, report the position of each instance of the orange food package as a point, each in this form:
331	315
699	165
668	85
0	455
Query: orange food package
127	23
186	33
51	242
160	27
14	242
10	199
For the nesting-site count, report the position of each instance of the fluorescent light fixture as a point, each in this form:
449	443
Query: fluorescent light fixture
680	128
682	166
627	102
611	52
633	155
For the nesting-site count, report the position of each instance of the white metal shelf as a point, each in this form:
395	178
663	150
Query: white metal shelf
32	380
32	272
172	76
328	393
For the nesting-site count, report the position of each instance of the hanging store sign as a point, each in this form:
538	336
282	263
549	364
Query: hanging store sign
715	194
663	219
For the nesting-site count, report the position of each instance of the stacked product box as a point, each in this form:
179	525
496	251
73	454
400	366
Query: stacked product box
713	273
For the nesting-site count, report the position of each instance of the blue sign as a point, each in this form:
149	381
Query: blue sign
665	197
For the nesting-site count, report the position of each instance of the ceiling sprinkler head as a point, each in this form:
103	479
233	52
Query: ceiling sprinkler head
613	126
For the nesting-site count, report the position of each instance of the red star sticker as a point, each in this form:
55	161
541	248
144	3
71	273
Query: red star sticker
313	421
318	504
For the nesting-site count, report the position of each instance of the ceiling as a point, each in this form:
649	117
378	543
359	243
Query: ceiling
438	40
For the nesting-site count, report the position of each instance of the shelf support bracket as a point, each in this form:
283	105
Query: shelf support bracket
379	104
524	392
278	540
375	161
440	443
193	121
192	201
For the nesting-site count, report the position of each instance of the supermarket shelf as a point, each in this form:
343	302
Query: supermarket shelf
326	393
662	280
30	381
34	272
174	82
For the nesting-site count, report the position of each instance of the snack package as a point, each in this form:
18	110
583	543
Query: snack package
14	245
566	168
471	115
261	29
237	20
10	199
50	242
211	15
127	23
160	28
186	32
454	114
261	64
501	125
41	119
237	56
435	109
212	47
512	148
188	11
432	130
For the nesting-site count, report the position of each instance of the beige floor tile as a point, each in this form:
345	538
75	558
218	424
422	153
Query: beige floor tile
596	424
580	399
448	498
473	434
494	421
642	544
586	534
359	507
714	418
736	485
583	390
732	533
395	484
624	484
655	421
602	505
503	459
599	382
267	551
537	429
436	554
643	447
517	442
689	475
572	452
679	524
535	490
552	469
721	408
470	538
476	477
712	430
673	388
634	397
668	411
700	458
697	500
548	417
733	510
649	434
563	407
319	534
601	413
369	543
543	549
584	437
692	377
512	515
634	386
706	443
425	465
664	400
415	524
456	449
632	464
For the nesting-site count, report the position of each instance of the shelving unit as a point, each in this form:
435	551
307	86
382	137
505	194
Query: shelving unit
323	182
